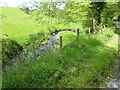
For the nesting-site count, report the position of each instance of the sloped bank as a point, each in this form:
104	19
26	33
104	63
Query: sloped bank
82	64
36	48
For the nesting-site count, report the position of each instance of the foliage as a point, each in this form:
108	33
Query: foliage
83	64
71	13
41	18
97	8
98	14
108	14
10	48
25	8
41	36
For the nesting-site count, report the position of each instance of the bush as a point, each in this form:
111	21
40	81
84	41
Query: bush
10	48
40	36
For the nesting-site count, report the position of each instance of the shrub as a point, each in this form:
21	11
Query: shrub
10	48
41	36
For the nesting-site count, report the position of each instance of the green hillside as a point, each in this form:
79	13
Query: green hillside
17	24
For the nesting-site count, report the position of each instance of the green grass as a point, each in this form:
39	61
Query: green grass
19	25
67	37
80	64
113	42
85	63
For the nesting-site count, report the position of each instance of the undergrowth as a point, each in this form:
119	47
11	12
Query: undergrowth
79	64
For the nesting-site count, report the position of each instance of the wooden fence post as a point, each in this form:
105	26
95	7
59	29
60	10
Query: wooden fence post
61	42
77	34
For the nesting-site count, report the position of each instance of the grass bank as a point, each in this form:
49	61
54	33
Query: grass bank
81	64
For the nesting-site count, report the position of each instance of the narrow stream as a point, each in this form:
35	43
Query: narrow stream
37	52
54	38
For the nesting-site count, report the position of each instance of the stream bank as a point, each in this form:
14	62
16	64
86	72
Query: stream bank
31	53
47	49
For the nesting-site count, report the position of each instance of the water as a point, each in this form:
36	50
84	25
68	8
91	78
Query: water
33	54
52	41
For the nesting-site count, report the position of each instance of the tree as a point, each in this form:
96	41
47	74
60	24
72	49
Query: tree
110	11
96	8
92	15
24	8
49	8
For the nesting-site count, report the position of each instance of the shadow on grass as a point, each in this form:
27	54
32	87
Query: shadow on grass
82	64
117	31
86	63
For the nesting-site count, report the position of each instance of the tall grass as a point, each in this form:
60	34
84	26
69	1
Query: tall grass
83	64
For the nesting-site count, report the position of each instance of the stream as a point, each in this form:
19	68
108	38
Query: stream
33	54
54	38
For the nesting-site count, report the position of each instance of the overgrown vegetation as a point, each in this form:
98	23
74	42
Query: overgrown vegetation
10	49
85	63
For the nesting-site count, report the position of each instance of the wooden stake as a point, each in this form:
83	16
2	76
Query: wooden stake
61	42
77	34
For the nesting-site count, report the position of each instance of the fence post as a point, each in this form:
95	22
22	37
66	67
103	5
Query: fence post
77	34
61	42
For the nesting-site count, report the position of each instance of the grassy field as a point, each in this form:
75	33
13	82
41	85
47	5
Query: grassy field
18	25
